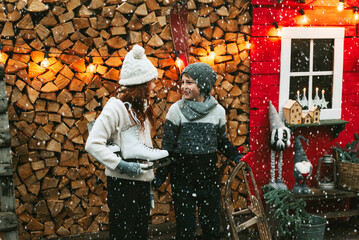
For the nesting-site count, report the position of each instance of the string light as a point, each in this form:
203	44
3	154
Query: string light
91	68
45	62
211	54
341	5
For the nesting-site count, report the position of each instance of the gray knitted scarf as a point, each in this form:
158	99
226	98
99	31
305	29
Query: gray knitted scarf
193	110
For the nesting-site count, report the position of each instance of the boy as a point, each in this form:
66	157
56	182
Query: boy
194	130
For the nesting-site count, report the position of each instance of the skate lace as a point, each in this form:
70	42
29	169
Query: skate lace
134	116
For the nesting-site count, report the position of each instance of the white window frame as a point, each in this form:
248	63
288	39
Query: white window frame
335	33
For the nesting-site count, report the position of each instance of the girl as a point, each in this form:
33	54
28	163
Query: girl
126	121
194	130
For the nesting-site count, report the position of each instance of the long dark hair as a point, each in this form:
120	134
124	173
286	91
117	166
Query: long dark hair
137	95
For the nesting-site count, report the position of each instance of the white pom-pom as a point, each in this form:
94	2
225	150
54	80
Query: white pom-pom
138	51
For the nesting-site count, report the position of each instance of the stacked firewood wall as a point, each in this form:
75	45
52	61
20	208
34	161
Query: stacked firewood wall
60	189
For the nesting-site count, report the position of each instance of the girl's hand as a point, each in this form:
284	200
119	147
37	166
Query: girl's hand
132	169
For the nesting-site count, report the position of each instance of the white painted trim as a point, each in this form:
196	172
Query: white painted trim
336	33
312	32
294	74
284	73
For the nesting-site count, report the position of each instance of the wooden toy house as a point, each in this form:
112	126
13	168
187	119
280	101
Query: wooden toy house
292	112
306	118
314	112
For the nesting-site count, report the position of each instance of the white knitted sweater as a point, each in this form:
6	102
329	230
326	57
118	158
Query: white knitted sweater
114	119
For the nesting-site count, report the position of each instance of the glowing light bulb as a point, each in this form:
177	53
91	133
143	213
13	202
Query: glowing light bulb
356	15
305	19
2	59
212	55
279	32
341	5
45	63
91	68
179	63
2	55
248	45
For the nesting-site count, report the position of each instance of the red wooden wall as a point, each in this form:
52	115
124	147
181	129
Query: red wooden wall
265	75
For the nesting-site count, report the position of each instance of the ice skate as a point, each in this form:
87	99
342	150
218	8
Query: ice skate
135	149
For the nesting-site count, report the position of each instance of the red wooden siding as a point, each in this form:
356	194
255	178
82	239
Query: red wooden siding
265	74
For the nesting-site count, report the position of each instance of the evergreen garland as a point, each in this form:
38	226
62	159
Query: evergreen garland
351	151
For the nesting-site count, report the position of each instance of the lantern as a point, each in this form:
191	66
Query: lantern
326	174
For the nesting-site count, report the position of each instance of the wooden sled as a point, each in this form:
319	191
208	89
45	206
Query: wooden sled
253	214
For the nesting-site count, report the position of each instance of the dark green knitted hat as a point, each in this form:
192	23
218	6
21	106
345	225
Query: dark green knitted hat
299	153
203	75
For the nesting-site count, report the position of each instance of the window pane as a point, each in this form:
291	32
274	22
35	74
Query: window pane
299	90
323	54
299	60
322	84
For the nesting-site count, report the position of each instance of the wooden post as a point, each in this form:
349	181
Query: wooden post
8	219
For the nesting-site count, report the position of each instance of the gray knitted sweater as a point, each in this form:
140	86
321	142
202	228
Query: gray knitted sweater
193	145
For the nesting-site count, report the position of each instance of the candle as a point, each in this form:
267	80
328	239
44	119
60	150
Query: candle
323	91
298	93
304	89
316	90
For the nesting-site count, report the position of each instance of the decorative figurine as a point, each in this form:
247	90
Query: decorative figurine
279	140
314	112
316	100
323	102
306	118
304	101
302	167
292	112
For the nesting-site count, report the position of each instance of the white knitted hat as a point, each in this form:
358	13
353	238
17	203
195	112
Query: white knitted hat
274	118
136	68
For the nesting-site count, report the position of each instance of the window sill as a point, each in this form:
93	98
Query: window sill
338	125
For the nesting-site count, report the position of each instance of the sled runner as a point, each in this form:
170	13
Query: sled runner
254	213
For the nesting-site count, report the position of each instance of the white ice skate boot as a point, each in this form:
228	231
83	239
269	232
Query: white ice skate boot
133	148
